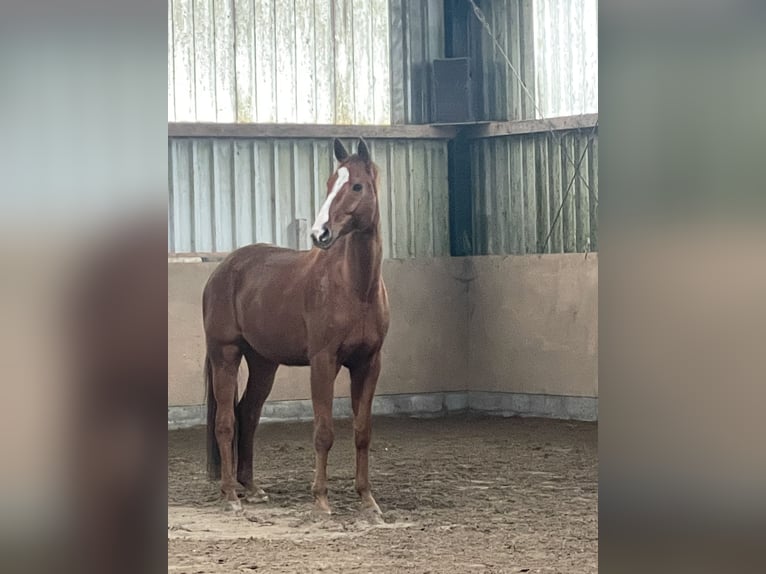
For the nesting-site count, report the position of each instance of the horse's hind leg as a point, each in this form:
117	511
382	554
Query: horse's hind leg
225	361
259	382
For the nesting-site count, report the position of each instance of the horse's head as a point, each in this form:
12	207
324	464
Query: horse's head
352	197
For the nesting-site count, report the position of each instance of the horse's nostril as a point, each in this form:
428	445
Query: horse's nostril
322	239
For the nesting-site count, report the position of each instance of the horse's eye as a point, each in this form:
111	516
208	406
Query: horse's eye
357	187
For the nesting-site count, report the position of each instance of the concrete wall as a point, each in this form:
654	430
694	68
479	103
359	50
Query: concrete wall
533	324
502	333
425	350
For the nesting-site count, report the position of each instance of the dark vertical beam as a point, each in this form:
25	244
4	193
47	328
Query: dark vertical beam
460	42
455	32
416	14
474	31
460	197
462	35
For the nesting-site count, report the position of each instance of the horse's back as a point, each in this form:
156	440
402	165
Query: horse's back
255	254
250	290
247	261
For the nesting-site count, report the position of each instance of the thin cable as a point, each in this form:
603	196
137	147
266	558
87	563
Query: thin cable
551	128
566	195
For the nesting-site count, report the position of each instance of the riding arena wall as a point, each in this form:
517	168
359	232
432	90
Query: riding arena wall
508	335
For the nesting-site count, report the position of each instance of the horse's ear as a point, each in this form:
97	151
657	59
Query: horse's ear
340	151
363	151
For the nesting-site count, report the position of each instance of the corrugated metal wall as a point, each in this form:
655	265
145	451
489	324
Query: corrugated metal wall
368	62
417	38
291	61
553	44
225	193
519	183
566	56
511	22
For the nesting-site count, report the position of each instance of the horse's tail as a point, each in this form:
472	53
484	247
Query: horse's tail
213	453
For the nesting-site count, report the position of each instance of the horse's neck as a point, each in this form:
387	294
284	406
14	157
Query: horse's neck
363	258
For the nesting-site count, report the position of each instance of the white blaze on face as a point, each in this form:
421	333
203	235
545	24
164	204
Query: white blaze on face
324	213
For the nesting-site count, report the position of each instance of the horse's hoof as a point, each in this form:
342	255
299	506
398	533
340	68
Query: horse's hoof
256	496
371	508
370	513
369	505
321	509
232	506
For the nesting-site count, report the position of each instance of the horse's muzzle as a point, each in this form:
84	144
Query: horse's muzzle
323	240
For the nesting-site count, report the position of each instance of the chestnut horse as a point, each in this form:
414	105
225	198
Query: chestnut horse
324	308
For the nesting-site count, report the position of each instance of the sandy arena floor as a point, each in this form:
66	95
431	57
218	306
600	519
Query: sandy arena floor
463	494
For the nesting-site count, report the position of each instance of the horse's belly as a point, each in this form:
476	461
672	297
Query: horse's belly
278	346
279	337
291	357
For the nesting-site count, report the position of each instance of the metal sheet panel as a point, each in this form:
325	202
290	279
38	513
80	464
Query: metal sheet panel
287	61
417	38
368	62
225	59
511	22
553	46
566	56
519	183
243	21
225	193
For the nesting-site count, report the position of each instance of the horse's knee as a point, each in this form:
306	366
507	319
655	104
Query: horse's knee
362	432
323	436
362	439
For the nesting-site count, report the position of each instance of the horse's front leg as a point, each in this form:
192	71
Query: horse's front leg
364	378
324	369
